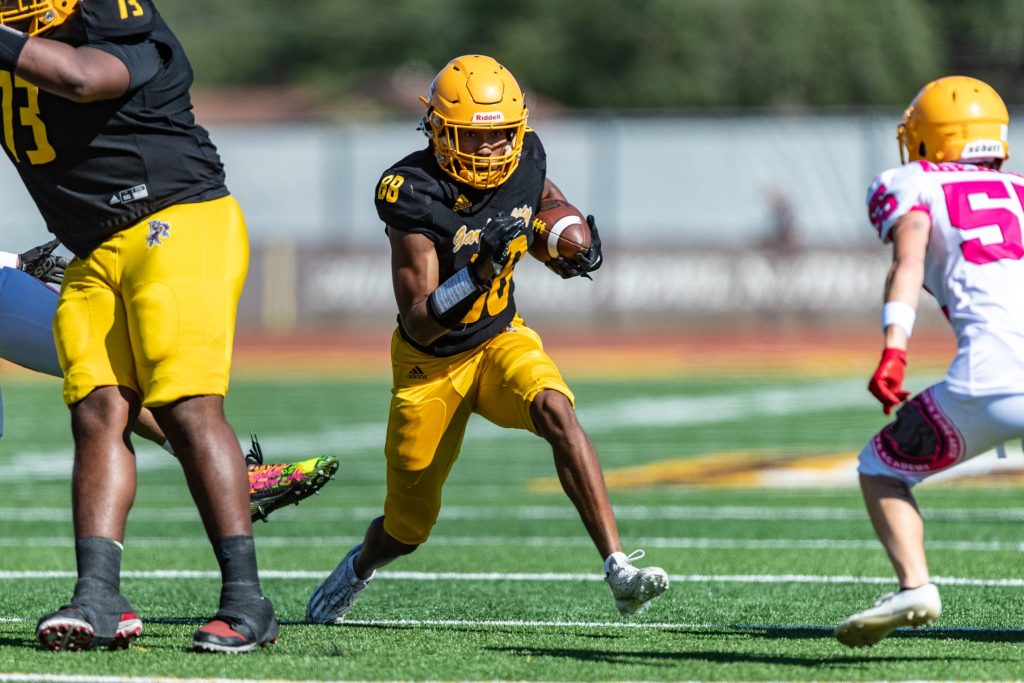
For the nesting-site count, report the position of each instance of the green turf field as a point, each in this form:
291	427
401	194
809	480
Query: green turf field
509	587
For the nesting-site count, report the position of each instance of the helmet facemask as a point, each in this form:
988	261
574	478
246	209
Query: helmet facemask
483	172
476	93
35	17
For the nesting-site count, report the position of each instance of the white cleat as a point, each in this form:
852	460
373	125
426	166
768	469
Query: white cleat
634	588
339	591
915	607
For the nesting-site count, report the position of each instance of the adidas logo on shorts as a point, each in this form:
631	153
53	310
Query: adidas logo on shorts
416	373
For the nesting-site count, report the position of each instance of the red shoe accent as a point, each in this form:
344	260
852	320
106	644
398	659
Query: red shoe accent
217	635
221	629
67	630
128	629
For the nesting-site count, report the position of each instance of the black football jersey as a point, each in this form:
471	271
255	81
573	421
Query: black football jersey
96	168
415	195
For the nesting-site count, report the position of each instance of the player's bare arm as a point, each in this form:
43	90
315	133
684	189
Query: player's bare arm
906	274
902	291
414	273
551	191
80	74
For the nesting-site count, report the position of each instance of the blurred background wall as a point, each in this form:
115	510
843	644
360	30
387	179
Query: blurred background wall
725	146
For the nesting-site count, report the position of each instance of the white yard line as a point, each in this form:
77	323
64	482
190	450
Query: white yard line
555	512
179	574
678	543
629	625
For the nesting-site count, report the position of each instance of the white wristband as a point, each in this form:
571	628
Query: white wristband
454	290
899	313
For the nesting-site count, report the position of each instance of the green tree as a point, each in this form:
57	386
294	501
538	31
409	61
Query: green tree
636	55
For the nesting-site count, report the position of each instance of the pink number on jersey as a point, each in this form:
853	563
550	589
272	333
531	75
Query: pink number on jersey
881	206
963	217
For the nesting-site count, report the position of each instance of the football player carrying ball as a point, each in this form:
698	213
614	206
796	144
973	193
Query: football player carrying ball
458	215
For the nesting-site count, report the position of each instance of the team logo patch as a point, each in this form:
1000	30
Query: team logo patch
158	230
416	373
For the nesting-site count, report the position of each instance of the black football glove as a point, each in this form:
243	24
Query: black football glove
496	239
41	263
581	264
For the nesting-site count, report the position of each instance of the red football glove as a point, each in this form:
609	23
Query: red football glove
887	383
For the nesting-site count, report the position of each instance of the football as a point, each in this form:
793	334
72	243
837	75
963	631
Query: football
559	229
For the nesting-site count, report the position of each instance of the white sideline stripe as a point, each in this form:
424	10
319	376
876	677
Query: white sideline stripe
527	577
550	512
541	541
600	625
524	623
642	625
528	623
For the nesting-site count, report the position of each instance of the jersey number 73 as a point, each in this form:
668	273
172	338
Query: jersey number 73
26	116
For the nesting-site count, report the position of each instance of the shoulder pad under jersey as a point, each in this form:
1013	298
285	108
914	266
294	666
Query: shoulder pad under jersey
894	193
405	196
116	18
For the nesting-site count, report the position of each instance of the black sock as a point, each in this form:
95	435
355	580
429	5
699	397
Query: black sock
99	568
236	556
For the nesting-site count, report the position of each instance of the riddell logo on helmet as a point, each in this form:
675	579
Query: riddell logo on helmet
488	117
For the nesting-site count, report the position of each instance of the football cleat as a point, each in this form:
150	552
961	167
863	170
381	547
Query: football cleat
634	588
233	631
915	607
274	486
339	591
70	629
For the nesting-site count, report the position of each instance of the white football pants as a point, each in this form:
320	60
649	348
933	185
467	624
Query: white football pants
963	427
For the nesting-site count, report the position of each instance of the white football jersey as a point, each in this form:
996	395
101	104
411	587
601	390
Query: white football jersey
973	266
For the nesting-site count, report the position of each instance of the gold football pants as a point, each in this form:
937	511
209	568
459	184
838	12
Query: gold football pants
432	400
153	307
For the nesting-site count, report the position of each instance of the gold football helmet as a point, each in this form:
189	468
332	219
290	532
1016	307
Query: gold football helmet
475	92
35	17
956	118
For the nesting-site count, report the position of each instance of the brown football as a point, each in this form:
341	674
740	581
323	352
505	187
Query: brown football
559	229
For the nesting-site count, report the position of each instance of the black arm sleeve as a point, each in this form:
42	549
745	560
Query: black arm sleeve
142	58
